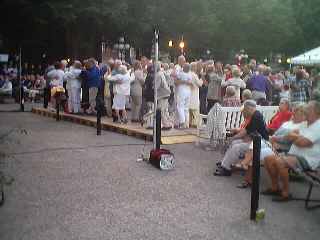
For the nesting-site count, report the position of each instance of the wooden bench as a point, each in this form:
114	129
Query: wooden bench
233	118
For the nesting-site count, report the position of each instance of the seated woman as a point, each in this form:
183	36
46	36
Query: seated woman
283	115
230	99
279	141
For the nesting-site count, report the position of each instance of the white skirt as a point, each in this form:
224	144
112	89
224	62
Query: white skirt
119	102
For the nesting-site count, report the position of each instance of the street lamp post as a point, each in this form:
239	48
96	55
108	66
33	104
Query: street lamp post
242	56
122	47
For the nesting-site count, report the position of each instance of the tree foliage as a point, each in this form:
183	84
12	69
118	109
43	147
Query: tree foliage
76	27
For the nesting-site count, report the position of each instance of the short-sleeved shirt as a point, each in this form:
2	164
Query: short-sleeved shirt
257	124
311	154
301	93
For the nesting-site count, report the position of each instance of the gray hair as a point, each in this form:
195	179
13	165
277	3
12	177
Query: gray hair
287	101
261	68
194	66
122	69
247	94
299	107
250	104
236	72
230	91
186	67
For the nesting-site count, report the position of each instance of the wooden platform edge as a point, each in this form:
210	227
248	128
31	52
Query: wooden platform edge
90	123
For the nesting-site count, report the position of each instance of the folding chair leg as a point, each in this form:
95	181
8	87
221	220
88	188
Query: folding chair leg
308	199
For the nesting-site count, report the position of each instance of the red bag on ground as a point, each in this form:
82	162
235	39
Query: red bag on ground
162	159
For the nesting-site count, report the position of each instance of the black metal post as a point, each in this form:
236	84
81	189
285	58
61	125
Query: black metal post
45	97
57	110
158	129
20	82
99	121
21	98
99	107
255	176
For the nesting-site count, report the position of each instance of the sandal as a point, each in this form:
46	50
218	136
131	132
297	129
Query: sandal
270	192
282	198
244	185
241	166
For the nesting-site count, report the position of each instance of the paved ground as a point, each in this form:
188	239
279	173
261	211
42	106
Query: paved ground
71	184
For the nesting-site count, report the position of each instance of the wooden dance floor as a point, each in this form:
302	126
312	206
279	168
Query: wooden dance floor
172	136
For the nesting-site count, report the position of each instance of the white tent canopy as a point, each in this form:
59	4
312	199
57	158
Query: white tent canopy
309	58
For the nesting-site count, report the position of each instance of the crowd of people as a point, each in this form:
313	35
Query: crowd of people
184	90
32	83
187	89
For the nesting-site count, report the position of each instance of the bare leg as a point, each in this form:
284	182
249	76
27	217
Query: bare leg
283	166
270	164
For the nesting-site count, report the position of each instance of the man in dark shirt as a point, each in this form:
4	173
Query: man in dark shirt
241	141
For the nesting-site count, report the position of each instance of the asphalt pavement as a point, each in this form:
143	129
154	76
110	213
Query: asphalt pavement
71	184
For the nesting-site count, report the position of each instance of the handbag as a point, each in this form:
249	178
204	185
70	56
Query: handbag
162	159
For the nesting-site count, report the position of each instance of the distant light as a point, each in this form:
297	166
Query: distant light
170	43
68	60
265	60
289	60
280	61
181	45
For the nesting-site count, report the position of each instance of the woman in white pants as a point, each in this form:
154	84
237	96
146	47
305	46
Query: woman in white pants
183	90
74	87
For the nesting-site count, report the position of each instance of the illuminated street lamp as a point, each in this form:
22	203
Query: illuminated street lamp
170	44
289	60
181	45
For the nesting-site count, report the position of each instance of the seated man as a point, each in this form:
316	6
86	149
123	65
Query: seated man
238	146
283	115
303	155
279	142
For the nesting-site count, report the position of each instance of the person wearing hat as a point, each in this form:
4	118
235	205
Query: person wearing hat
240	146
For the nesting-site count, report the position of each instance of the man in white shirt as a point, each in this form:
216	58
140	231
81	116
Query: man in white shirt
183	90
304	154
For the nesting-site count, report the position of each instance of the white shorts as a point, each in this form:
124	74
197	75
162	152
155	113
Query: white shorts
119	102
265	150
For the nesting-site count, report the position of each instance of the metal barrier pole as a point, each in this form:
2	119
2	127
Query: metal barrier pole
158	129
20	82
22	99
57	109
45	97
255	176
99	121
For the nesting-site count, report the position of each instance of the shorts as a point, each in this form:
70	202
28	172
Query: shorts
119	102
302	163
